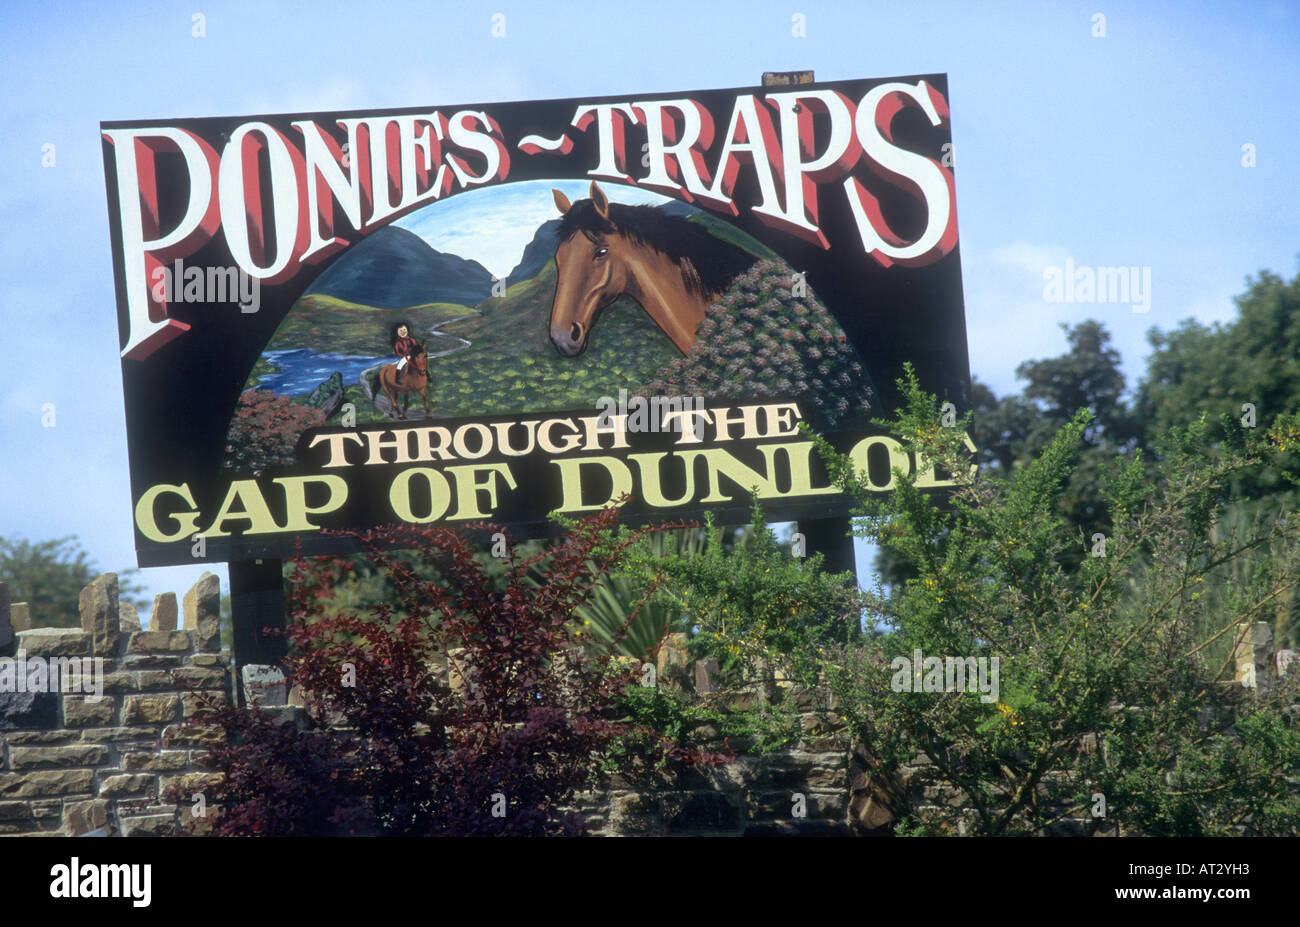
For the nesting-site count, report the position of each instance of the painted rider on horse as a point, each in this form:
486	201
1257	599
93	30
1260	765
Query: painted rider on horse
404	344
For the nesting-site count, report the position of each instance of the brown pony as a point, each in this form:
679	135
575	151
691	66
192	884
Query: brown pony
673	267
413	379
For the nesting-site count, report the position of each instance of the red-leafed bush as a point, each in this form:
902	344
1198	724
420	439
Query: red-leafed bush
475	713
265	429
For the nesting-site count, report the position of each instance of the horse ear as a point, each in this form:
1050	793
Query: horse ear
599	200
561	201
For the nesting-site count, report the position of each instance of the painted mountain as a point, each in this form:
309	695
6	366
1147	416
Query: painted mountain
540	250
392	268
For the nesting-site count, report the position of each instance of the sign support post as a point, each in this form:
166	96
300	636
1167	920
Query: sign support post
830	537
256	607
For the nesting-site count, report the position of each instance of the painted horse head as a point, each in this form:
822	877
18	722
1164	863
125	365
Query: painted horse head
420	357
671	266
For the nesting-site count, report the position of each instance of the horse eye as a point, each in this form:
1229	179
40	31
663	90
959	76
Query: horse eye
601	252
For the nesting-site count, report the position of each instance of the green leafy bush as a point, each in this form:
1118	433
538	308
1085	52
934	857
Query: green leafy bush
1106	685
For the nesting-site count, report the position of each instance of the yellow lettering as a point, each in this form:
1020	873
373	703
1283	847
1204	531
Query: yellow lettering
144	513
571	481
898	459
335	441
399	494
472	480
295	496
254	511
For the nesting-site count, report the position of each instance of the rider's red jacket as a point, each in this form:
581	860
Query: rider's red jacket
405	347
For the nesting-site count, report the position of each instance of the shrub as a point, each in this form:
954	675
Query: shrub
735	353
265	429
1106	681
478	699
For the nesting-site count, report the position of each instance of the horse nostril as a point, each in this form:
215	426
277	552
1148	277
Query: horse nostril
575	333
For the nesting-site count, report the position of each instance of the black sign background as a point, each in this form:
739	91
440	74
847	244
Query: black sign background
179	400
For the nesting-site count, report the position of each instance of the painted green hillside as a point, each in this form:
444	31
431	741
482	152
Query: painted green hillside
325	324
511	365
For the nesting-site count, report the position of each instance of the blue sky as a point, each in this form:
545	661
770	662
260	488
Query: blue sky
1124	150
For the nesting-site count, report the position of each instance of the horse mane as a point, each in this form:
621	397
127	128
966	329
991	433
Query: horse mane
708	264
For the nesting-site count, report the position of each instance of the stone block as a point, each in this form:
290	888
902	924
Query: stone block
768	805
85	711
46	783
706	675
155	762
786	78
265	685
729	777
194	735
39	738
634	814
128	617
51	808
153	825
155	681
119	734
202	612
150	709
136	662
119	683
28	710
131	785
15	811
199	826
21	758
821	777
99	614
700	811
20	616
786	772
55	642
82	817
200	677
673	662
159	642
193	702
191	784
164	613
870	812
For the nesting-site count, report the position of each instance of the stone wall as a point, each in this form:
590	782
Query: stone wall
803	790
72	764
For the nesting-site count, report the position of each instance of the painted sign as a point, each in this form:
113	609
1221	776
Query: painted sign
499	311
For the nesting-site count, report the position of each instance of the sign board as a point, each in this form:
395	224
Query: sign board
497	311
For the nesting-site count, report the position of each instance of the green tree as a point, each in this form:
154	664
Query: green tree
1216	369
1247	367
